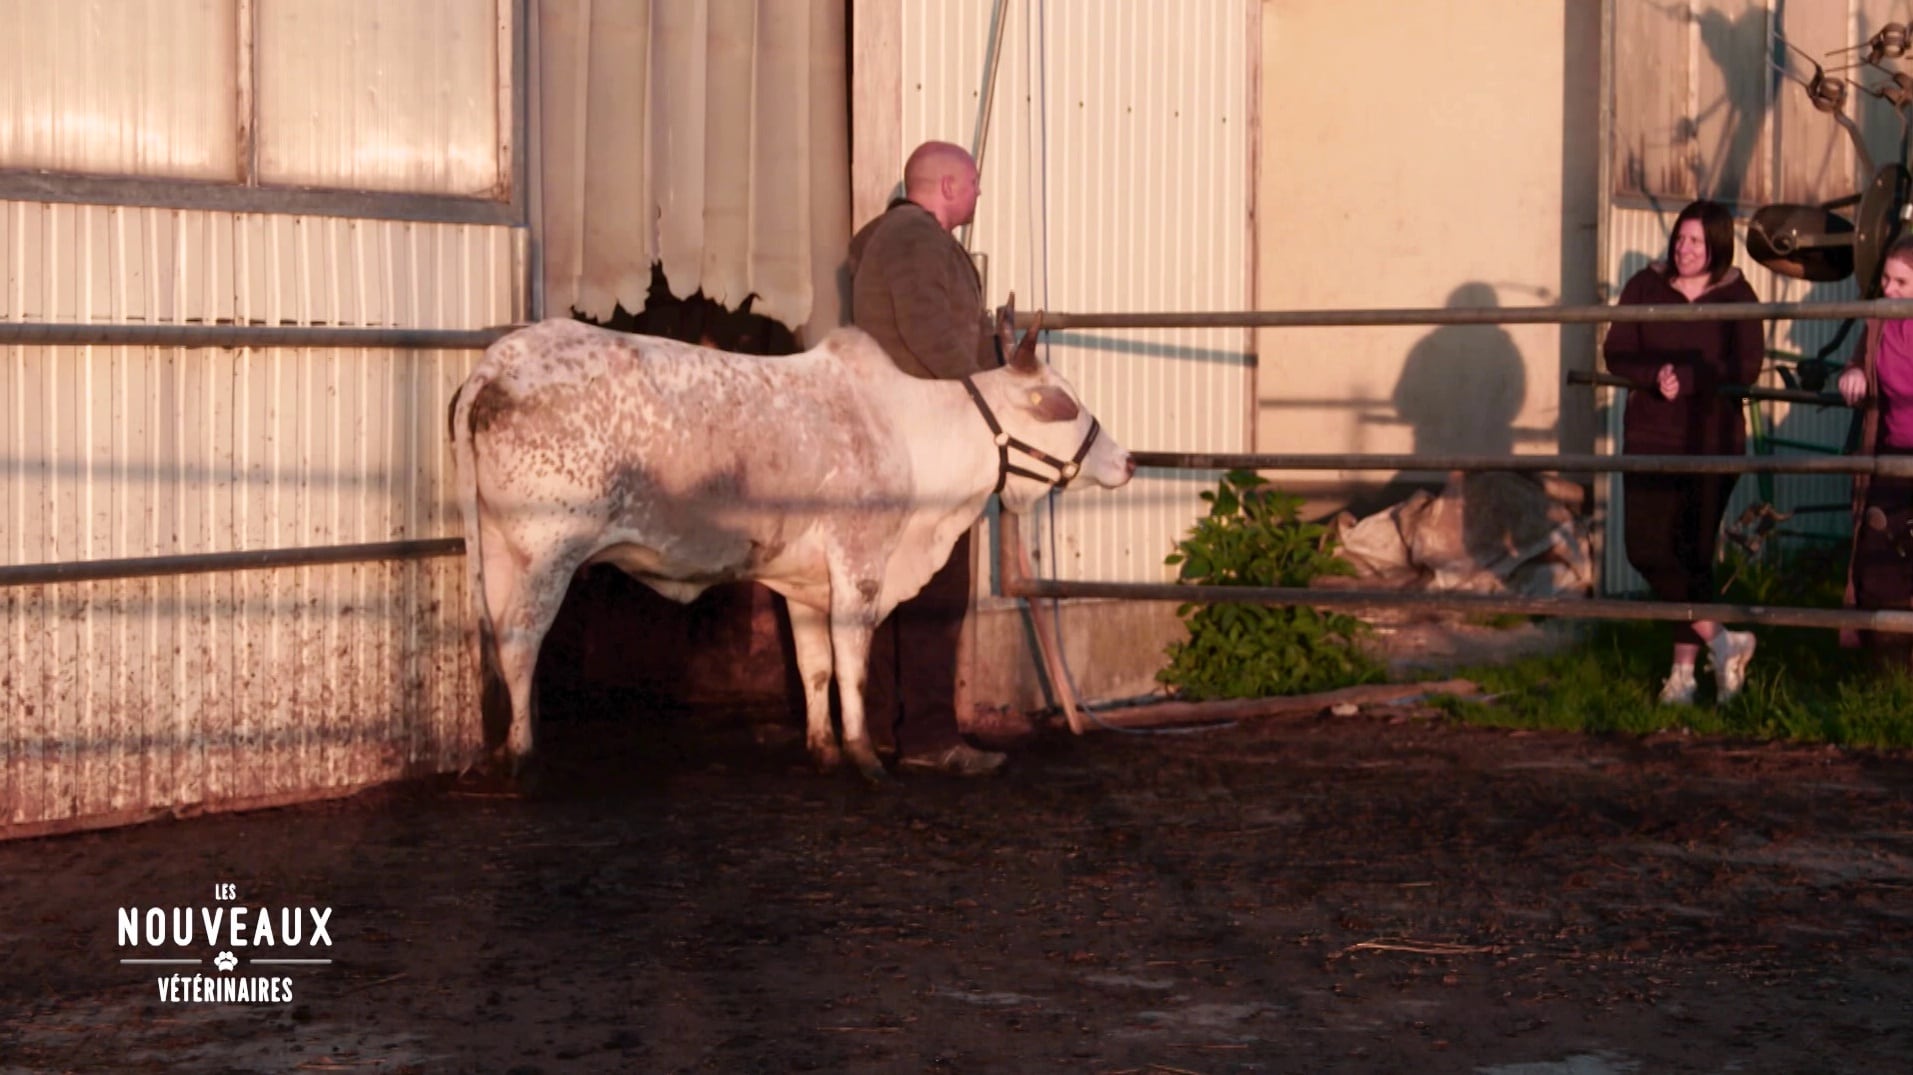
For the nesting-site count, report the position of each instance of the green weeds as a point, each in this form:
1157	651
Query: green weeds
1253	536
1801	687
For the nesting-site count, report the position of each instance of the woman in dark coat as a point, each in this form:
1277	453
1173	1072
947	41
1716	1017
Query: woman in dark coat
1673	369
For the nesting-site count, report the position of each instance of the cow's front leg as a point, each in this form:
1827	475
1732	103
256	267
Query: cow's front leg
810	629
851	625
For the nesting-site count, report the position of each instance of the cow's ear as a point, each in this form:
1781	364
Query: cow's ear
1006	328
1051	404
1023	359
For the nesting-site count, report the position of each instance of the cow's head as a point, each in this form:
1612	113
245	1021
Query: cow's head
1048	438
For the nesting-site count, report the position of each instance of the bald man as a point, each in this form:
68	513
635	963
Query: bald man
912	284
914	288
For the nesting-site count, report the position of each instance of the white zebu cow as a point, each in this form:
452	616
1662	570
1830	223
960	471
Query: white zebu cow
830	476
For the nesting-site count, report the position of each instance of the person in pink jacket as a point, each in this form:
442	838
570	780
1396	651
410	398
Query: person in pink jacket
1880	383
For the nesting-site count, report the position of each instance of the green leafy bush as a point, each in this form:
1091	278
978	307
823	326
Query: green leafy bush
1253	536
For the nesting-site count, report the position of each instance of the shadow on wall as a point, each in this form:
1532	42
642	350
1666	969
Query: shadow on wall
1463	385
616	643
1741	109
1714	149
1461	388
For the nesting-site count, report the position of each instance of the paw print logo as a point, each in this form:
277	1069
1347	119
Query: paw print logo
226	961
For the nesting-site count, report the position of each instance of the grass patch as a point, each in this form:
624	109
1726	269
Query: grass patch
1802	687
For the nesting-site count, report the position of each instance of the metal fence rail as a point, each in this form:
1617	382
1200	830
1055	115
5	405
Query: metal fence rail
91	334
253	559
1737	391
143	567
1057	321
95	334
1885	466
1017	583
307	336
1593	608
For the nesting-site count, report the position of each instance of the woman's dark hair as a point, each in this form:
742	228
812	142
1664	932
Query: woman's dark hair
1901	250
1717	225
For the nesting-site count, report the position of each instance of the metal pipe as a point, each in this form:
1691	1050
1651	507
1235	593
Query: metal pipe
980	137
69	334
144	567
1057	321
1602	492
1883	465
1897	622
531	158
1785	395
1604	161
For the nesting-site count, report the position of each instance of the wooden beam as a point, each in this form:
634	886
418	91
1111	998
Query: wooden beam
1168	714
876	106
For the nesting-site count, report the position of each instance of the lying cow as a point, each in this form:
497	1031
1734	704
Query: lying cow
830	476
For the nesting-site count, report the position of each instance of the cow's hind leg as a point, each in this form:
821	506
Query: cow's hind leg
525	604
851	624
810	630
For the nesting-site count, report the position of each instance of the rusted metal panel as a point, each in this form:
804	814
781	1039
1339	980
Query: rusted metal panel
127	89
347	98
1699	110
1816	162
1732	137
125	696
1158	95
289	702
1653	141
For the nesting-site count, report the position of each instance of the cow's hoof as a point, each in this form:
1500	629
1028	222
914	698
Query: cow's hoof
484	777
868	765
527	773
828	759
495	765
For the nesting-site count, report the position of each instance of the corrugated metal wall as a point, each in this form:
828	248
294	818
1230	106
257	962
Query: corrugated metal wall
1755	137
1116	177
118	698
350	96
1639	236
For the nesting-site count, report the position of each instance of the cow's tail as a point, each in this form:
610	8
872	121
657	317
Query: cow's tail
494	697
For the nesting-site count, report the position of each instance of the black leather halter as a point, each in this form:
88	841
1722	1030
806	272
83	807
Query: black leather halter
1065	471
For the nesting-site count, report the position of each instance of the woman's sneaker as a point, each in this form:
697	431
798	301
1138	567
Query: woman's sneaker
1679	688
1731	650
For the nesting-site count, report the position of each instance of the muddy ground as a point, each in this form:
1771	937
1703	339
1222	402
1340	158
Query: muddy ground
1388	892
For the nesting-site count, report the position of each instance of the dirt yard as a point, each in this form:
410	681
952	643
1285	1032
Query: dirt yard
1387	892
